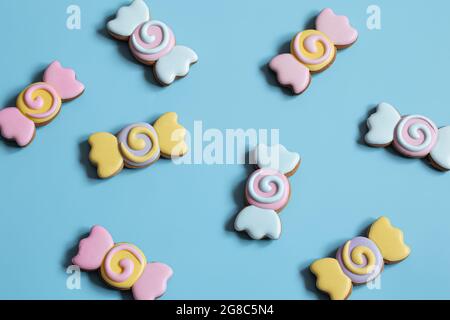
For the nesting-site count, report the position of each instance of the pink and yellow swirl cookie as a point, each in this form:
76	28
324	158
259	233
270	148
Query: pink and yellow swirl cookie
122	265
314	49
268	189
39	104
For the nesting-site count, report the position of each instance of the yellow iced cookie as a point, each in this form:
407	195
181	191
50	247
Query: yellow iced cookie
313	49
105	154
123	265
171	136
39	102
389	240
331	279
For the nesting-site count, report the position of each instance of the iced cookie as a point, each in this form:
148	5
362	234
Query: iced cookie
360	260
267	192
152	42
39	103
138	145
313	51
122	265
413	136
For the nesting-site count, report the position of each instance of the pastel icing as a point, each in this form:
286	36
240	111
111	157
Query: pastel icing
360	259
63	80
39	102
337	28
151	41
331	279
291	73
171	135
389	240
276	157
268	189
441	151
259	223
415	136
105	154
128	18
175	64
123	266
381	125
92	250
313	49
138	144
153	281
15	126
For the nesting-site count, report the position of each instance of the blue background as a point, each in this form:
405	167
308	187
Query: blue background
181	215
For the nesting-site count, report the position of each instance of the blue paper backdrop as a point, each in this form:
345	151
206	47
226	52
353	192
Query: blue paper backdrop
182	215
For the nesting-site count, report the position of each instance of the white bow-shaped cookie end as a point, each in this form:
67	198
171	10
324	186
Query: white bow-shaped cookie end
258	223
381	125
440	155
128	18
175	64
277	157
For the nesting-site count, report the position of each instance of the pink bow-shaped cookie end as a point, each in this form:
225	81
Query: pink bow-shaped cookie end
15	126
290	72
63	80
153	281
93	249
337	28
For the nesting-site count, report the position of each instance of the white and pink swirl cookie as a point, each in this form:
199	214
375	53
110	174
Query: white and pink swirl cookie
152	42
39	104
122	265
413	136
313	51
267	192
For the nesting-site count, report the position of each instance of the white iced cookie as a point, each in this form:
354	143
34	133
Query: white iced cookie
277	157
175	64
441	151
381	125
128	18
258	223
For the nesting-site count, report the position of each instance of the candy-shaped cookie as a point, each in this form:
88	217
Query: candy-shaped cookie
152	42
39	103
413	136
267	192
122	265
313	51
137	145
360	260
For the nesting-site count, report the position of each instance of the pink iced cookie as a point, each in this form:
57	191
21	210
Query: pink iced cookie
15	126
122	265
290	72
64	81
313	51
337	28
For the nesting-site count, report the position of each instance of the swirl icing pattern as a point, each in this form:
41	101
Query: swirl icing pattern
139	145
39	102
314	49
123	265
151	40
268	189
360	260
415	136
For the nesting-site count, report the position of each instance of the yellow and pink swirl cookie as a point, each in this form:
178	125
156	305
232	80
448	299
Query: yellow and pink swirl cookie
313	51
152	42
122	265
267	192
413	136
137	145
39	104
360	260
